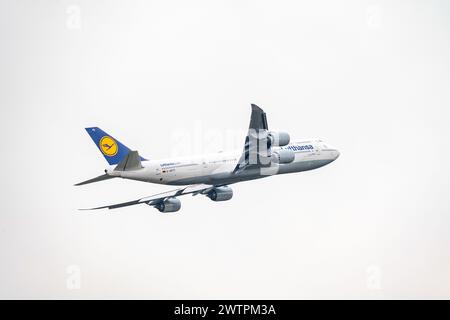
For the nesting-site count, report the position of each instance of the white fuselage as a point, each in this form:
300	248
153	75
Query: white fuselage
217	168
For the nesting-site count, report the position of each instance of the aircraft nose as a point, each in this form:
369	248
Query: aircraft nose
335	154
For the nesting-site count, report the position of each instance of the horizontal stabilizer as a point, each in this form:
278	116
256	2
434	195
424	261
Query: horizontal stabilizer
96	179
132	161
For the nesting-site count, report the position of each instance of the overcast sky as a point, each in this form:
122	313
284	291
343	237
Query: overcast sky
371	78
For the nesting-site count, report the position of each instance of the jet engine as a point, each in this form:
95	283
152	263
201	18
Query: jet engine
169	205
283	156
279	139
221	194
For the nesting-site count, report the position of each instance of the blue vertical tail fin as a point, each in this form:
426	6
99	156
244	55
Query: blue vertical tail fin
112	149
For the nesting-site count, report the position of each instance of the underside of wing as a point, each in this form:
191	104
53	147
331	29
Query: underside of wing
256	152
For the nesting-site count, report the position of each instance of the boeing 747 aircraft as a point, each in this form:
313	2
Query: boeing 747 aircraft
265	153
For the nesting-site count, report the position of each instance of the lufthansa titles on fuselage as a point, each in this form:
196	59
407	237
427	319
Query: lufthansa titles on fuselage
299	147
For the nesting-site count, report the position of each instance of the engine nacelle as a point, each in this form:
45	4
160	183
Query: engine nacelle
221	194
169	205
283	156
279	139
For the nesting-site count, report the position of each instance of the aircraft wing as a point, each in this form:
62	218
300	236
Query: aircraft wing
159	197
256	151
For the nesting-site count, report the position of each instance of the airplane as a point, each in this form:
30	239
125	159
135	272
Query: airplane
265	153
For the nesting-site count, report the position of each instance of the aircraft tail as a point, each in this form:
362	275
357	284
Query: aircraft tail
112	149
131	162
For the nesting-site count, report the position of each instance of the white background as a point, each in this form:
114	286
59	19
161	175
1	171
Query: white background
371	78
